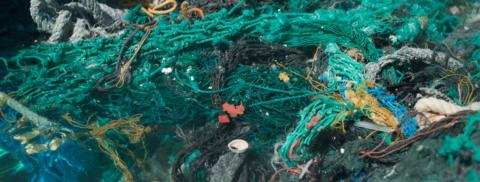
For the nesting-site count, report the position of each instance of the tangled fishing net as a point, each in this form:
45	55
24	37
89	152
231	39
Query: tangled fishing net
157	92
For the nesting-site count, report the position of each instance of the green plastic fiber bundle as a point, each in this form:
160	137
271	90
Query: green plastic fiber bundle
314	118
342	67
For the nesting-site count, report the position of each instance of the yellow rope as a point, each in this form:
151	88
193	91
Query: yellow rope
127	176
465	83
127	126
466	89
369	104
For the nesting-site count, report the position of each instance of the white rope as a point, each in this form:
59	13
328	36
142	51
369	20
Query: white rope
439	106
37	120
68	21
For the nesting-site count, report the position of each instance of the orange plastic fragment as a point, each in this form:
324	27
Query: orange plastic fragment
233	110
223	118
284	77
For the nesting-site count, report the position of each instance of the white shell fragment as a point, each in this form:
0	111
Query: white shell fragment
238	146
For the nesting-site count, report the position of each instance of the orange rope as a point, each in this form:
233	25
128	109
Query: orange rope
145	10
196	10
184	11
154	9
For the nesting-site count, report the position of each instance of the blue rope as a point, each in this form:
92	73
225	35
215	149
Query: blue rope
408	125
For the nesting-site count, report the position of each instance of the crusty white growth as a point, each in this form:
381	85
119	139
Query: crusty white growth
409	55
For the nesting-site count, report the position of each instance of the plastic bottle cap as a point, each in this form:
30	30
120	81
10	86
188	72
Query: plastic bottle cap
238	146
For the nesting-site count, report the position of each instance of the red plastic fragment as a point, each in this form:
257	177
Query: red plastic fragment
233	110
223	118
